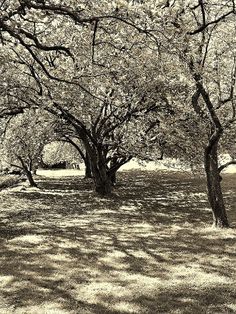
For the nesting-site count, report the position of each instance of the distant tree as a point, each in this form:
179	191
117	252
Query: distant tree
24	140
58	152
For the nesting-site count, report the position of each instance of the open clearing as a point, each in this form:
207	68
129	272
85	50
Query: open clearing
148	249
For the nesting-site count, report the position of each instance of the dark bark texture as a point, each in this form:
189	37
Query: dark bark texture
215	195
30	178
88	170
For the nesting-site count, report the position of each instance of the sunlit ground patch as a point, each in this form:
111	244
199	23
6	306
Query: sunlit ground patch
210	232
29	238
44	308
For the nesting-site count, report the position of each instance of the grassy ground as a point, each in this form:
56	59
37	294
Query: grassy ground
148	249
8	181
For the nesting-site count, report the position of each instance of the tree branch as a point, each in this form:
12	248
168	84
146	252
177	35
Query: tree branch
232	162
207	24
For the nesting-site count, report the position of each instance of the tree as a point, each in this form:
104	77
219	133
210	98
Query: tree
42	61
24	140
214	101
118	95
123	60
58	152
207	66
196	44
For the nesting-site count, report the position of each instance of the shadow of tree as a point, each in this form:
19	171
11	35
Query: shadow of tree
145	250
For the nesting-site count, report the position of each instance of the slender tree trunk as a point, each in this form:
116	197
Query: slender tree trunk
27	171
30	178
214	190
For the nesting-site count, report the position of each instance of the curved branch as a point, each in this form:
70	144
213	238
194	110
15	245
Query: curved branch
206	24
232	162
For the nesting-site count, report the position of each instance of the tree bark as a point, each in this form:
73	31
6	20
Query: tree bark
102	180
30	178
215	195
113	178
112	173
88	170
27	171
103	184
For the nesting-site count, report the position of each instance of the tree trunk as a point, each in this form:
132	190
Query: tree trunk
103	184
30	178
27	171
113	170
102	180
88	170
113	178
215	195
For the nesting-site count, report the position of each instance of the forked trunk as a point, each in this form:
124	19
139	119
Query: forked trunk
214	190
27	171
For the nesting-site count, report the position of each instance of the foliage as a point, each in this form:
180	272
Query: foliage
166	69
25	138
57	152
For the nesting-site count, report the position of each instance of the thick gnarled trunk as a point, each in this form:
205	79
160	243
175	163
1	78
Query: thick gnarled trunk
103	185
102	181
214	190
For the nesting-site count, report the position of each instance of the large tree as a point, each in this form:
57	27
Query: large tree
118	93
200	37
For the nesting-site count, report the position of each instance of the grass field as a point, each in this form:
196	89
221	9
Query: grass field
147	249
8	181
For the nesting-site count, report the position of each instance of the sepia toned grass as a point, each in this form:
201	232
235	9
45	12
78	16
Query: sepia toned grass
147	249
7	181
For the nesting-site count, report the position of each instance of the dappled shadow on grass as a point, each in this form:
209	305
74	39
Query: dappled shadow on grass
147	249
7	181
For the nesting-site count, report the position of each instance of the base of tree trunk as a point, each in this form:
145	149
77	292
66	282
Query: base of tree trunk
30	179
33	185
221	223
88	177
214	189
104	189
